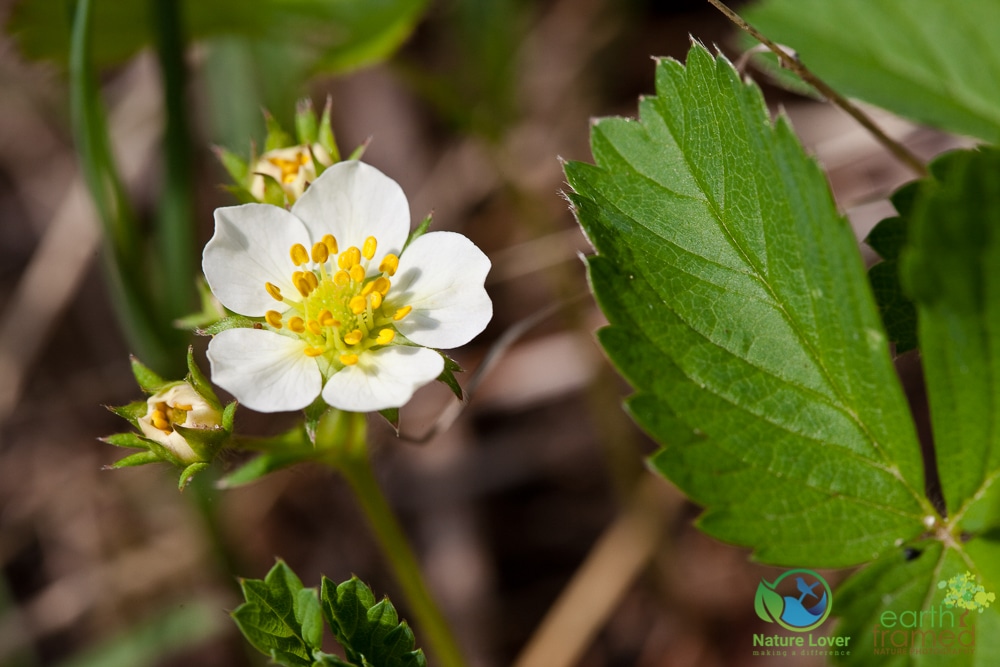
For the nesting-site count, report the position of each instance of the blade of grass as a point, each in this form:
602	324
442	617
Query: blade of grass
123	256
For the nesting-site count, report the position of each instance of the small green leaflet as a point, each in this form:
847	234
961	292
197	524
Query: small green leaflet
935	62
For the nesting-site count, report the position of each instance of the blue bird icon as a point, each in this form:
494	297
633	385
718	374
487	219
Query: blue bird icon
805	588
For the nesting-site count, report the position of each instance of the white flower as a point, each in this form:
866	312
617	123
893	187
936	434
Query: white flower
293	168
347	314
178	404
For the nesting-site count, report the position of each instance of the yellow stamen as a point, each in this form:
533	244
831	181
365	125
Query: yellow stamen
357	304
385	336
315	327
382	285
159	420
341	278
302	284
368	249
348	359
357	273
402	312
389	264
320	253
326	319
274	291
273	318
299	254
313	351
296	324
376	299
367	289
185	408
312	280
354	337
349	258
331	243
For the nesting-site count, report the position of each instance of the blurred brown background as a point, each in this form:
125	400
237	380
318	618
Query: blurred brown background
538	476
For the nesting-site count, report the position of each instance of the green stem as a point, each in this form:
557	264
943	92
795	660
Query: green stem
343	434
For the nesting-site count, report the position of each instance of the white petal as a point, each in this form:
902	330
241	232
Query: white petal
265	371
382	379
353	200
441	275
250	247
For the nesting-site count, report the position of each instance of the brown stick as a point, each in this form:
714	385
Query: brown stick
788	61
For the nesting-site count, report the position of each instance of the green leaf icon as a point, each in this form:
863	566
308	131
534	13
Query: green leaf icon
768	603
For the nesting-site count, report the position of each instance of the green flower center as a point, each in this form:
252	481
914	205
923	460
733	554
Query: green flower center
341	311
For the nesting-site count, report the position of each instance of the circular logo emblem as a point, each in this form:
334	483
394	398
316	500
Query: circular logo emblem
798	600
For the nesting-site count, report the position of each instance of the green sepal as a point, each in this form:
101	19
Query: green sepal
237	168
420	230
132	440
130	412
274	194
137	459
317	164
163	453
196	378
230	322
229	416
211	310
276	135
325	137
205	442
358	152
391	415
241	194
306	126
189	472
448	376
148	380
281	618
313	413
370	632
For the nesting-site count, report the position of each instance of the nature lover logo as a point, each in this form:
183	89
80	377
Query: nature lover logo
799	600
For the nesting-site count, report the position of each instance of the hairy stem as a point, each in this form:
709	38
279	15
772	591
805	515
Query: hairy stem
343	435
901	152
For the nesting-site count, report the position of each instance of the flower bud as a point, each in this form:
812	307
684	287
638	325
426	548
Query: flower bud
293	168
180	405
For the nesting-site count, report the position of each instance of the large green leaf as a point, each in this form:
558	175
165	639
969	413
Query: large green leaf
334	35
932	61
740	311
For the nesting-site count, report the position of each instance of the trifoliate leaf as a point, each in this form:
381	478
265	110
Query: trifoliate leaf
740	312
935	62
280	617
370	632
